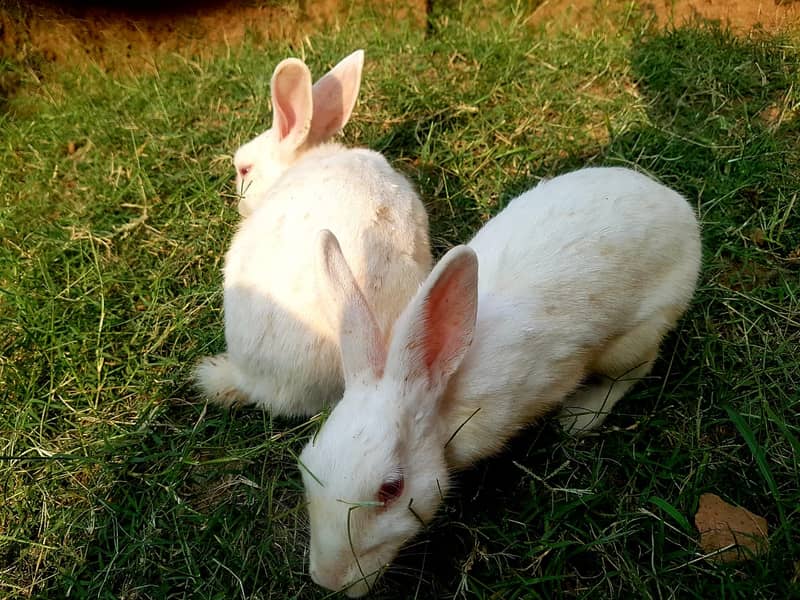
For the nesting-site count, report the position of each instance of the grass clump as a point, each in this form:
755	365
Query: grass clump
117	210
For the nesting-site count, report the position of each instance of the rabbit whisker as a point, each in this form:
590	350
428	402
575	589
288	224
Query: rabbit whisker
413	512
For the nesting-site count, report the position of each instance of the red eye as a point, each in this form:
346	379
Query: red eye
243	171
390	490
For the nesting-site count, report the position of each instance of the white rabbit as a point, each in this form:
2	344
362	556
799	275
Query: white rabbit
281	353
582	275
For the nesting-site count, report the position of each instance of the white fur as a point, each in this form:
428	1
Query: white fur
282	355
582	275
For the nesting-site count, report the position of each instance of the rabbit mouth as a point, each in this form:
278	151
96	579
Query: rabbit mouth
362	576
355	580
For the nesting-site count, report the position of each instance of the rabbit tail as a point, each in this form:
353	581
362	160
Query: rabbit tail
219	380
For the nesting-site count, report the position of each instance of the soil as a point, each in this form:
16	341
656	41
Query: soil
741	16
131	36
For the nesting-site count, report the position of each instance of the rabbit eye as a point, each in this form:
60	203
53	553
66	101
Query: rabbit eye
390	490
243	171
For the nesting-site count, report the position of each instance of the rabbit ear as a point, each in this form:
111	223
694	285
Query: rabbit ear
291	103
335	97
435	331
361	341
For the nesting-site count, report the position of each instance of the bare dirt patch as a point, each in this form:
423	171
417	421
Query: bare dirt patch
134	35
131	36
741	16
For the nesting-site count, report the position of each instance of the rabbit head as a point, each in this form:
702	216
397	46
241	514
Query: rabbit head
375	473
303	117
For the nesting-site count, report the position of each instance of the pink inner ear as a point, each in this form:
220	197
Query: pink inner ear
291	101
450	315
285	117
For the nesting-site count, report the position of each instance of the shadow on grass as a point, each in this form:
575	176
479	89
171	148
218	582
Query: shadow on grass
404	145
455	216
722	129
189	506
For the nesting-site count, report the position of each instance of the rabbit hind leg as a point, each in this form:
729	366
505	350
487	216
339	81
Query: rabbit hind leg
587	407
622	363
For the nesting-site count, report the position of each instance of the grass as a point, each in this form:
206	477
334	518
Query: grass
117	210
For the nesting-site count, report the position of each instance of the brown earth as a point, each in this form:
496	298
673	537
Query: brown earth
131	36
740	16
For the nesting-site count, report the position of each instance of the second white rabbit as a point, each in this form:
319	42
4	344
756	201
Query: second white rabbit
581	276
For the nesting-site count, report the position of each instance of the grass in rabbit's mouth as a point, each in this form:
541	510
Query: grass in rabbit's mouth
117	210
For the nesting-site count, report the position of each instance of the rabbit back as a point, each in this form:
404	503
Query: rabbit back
583	274
609	242
275	323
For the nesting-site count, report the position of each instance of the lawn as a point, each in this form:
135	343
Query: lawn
117	208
